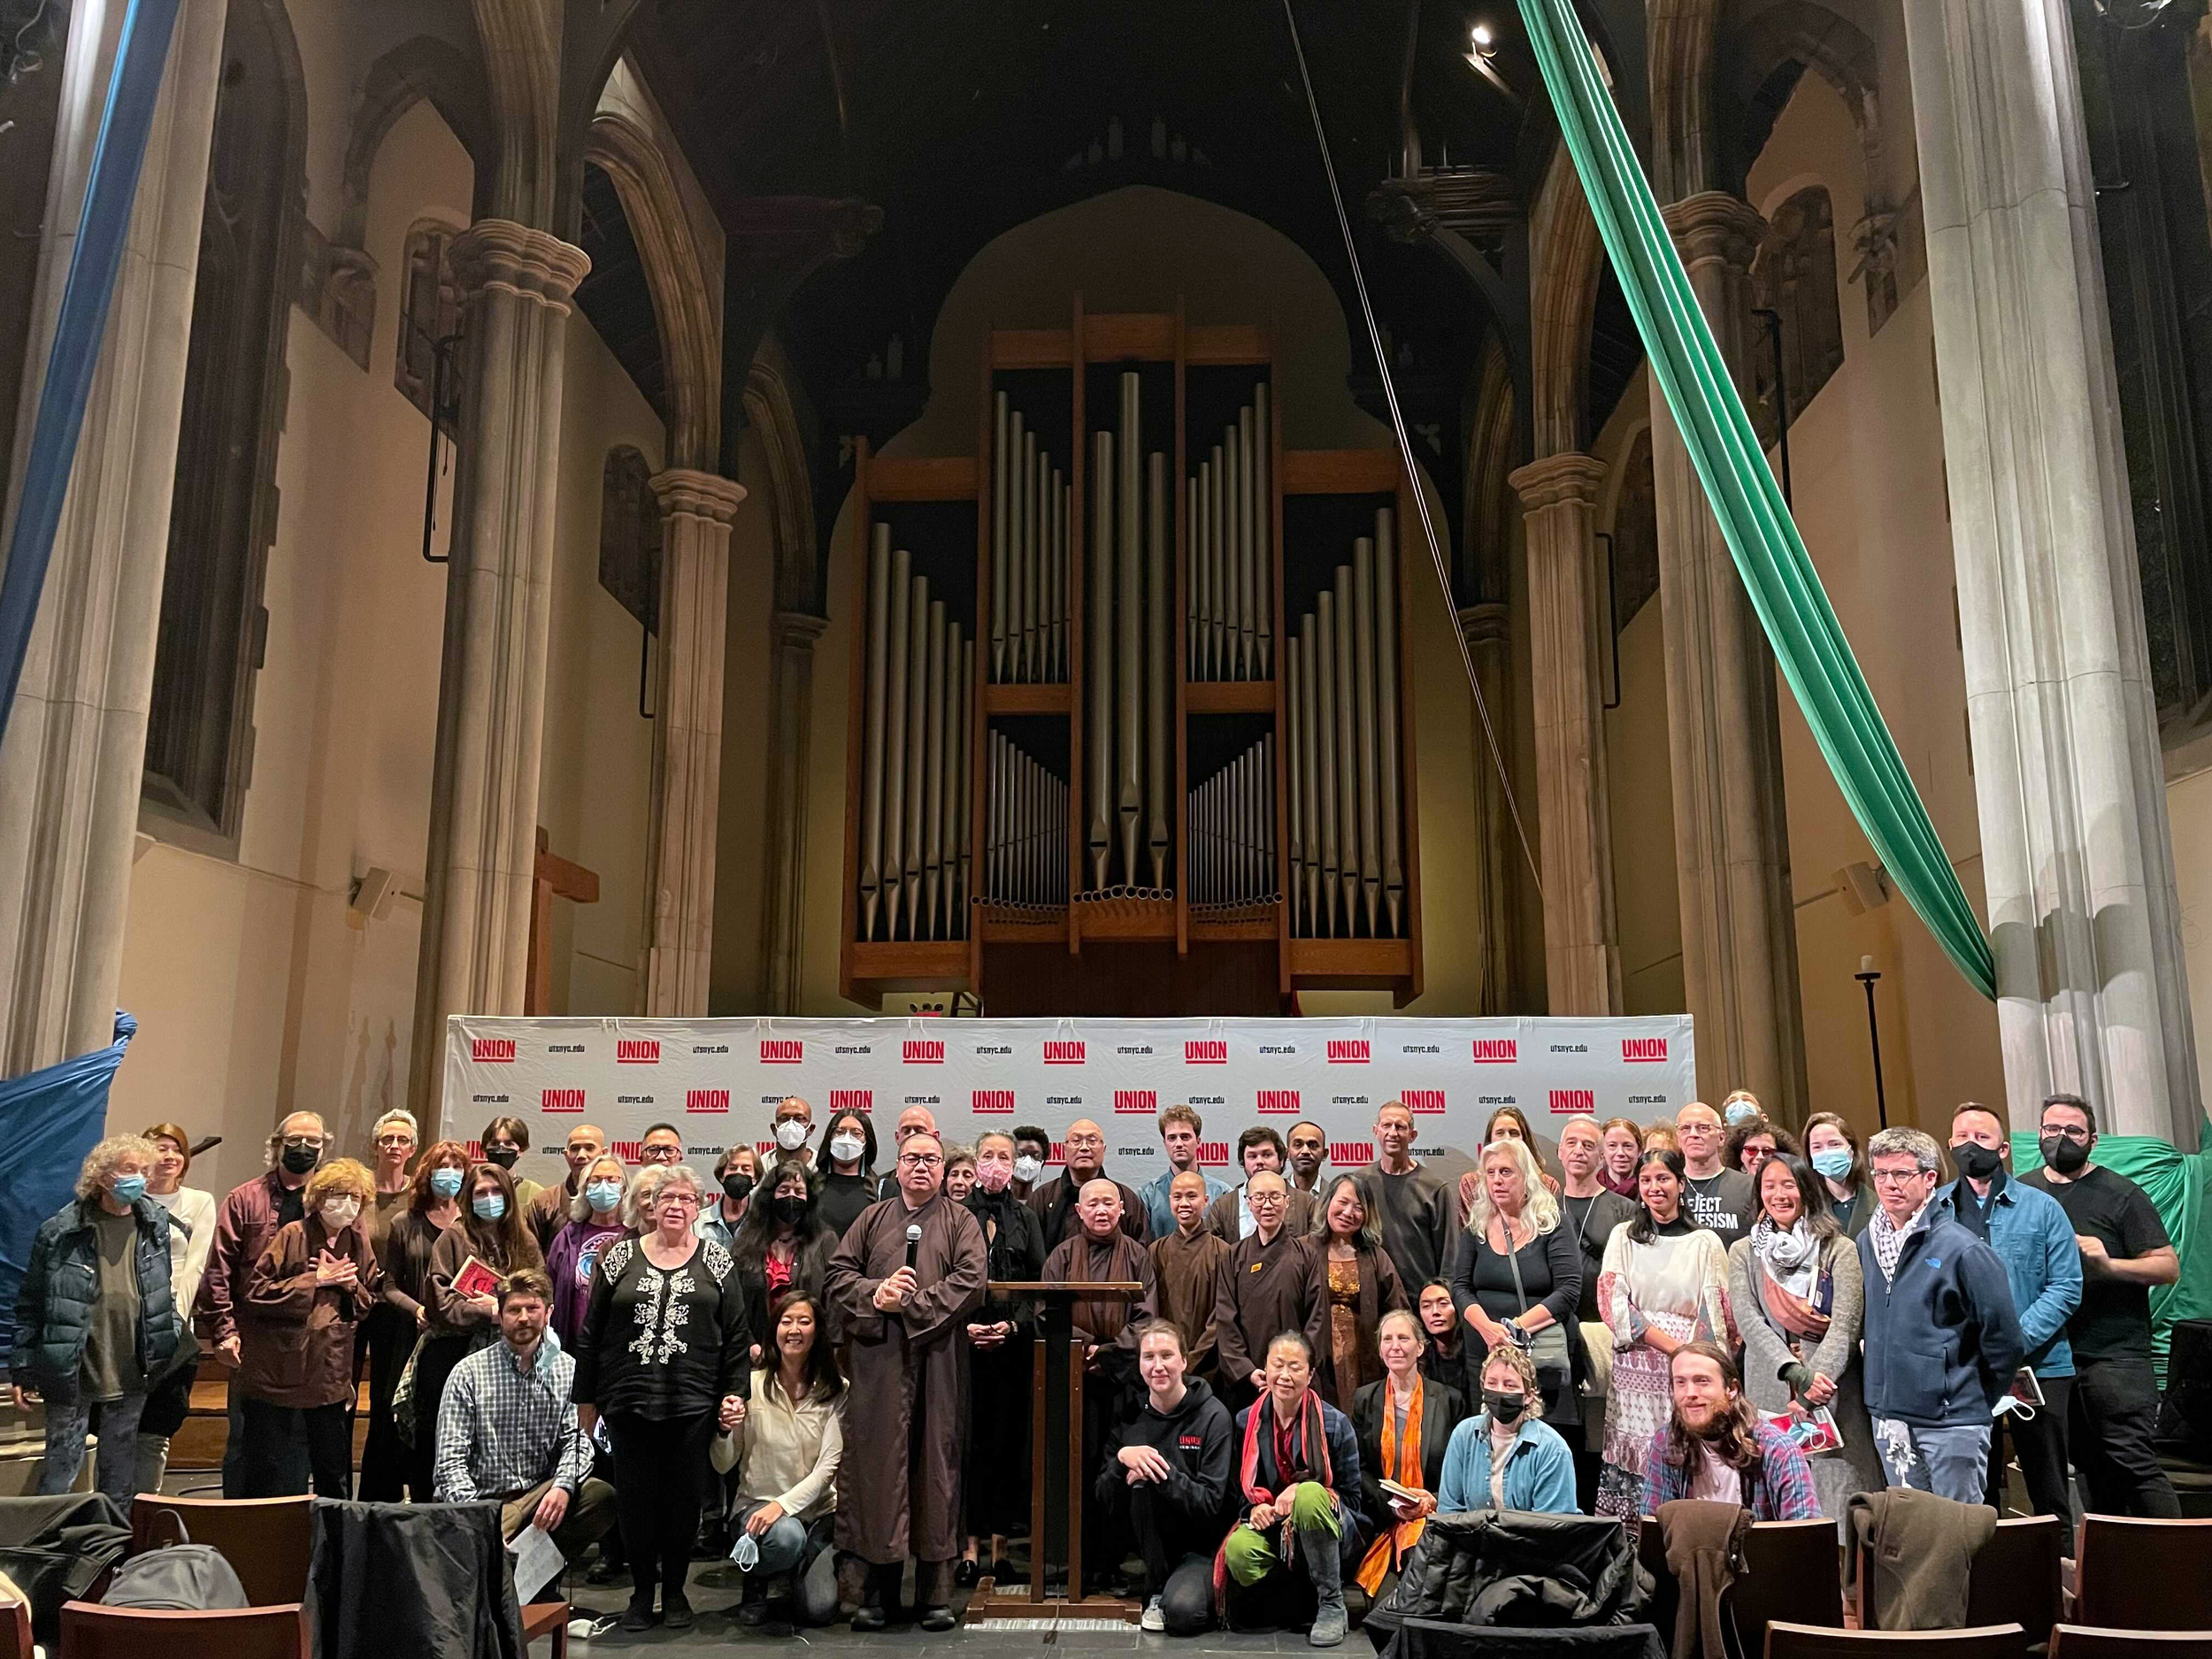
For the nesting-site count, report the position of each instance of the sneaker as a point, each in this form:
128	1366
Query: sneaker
1330	1622
1154	1618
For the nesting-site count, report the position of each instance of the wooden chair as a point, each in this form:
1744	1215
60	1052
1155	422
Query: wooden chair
1791	1571
2015	1575
2144	1575
15	1627
2082	1641
1785	1640
266	1540
545	1618
92	1632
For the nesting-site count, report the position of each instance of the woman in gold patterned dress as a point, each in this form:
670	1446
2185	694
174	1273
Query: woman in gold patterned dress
1351	1285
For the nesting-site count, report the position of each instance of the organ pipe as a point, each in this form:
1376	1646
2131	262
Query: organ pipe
1018	443
917	743
1248	550
895	740
1035	468
1386	719
960	666
1233	525
1347	819
872	744
1263	530
1001	550
1217	623
1158	700
1294	799
1323	621
1098	710
1363	728
1129	624
933	752
1309	775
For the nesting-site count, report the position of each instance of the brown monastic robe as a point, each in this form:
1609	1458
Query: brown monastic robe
913	1358
1189	1269
1054	1204
1263	1290
1084	1260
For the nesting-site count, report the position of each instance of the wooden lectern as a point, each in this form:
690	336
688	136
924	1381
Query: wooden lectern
1058	1477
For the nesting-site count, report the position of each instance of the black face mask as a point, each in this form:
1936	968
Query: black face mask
299	1160
1504	1406
504	1156
791	1208
1976	1162
2066	1157
738	1186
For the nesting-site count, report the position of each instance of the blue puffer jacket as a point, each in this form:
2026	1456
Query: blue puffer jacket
53	1312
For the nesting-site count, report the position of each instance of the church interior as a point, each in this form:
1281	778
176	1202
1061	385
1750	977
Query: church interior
504	596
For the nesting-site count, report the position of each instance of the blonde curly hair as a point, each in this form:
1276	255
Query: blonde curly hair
104	1158
1514	1359
341	1177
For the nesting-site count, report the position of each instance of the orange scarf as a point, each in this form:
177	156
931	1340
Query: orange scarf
1401	1464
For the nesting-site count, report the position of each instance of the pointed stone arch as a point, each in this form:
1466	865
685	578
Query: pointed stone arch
1566	261
774	419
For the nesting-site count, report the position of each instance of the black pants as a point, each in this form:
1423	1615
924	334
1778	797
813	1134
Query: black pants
387	1464
663	1463
1178	1554
2040	1443
2114	1410
269	1457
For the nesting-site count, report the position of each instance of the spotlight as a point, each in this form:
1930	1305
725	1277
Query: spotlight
1485	41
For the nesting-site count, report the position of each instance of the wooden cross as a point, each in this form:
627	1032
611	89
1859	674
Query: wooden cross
552	878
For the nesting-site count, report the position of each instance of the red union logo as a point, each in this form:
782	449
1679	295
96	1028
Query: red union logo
706	1100
1278	1100
558	1100
1206	1051
628	1151
1422	1100
1343	1152
782	1050
1350	1051
1063	1053
1643	1048
992	1100
765	1149
1494	1050
1136	1102
1567	1101
491	1050
852	1100
1059	1152
1214	1153
922	1051
476	1151
637	1051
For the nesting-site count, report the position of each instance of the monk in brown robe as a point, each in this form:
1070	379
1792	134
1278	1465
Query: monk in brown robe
1054	1201
1187	1265
1230	1216
898	1492
1264	1289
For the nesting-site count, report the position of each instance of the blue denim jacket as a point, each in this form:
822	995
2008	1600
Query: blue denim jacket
2035	1242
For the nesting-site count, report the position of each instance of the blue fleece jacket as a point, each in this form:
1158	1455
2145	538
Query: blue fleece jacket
2035	1242
1942	1341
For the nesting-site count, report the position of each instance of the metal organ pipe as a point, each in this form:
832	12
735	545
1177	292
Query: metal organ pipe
1263	530
917	743
932	755
1386	719
1308	777
1247	551
871	742
895	740
1363	714
1324	641
1002	551
1018	442
1293	798
1346	752
1038	468
1129	619
1158	705
960	665
1097	704
1217	545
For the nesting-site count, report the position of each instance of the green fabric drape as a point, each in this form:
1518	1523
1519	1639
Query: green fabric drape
1785	591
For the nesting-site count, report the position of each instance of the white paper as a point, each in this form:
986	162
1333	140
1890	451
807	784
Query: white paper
538	1561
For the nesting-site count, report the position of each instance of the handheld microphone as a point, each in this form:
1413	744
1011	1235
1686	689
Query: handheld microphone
913	1242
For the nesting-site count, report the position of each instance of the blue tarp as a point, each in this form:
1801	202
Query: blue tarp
49	1120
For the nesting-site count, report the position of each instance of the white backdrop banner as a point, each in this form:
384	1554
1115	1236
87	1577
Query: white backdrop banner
719	1080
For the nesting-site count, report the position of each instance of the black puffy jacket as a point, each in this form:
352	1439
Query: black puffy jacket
53	1311
1514	1567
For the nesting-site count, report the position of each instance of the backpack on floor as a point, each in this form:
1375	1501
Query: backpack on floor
177	1576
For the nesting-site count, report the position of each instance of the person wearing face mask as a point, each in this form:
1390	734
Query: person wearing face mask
1032	1156
391	1468
2035	1242
594	1217
1739	1107
96	1323
1163	1480
1503	1457
551	1209
1405	1423
490	1228
1714	1446
737	1171
505	1140
999	1339
310	1290
2125	1250
782	1249
249	1217
191	1238
793	1128
1832	1147
850	1186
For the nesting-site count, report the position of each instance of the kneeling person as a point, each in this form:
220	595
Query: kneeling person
1164	1477
1298	1493
507	1429
1716	1447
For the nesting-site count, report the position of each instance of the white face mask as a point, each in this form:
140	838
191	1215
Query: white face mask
1028	1168
791	1134
847	1149
338	1213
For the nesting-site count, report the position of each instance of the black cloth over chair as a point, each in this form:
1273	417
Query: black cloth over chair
428	1581
55	1548
1511	1567
1440	1638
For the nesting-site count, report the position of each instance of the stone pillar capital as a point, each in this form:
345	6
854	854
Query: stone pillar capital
1556	481
1715	226
1485	625
794	630
684	492
497	255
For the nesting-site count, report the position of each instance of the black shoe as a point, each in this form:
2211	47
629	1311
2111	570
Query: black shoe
780	1628
676	1610
869	1618
969	1572
1003	1570
605	1571
753	1613
938	1618
639	1615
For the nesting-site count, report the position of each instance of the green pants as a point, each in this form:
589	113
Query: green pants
1248	1554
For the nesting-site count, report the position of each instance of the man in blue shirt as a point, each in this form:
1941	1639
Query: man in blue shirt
2029	1233
1180	1126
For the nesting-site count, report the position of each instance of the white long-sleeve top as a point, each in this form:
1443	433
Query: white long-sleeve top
783	1451
188	1250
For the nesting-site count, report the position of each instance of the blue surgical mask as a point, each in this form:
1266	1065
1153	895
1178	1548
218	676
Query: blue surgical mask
445	1183
602	1195
1833	1161
489	1206
128	1190
1741	1112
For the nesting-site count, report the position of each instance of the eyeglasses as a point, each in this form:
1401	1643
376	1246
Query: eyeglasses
304	1141
690	1201
920	1160
2079	1137
1898	1177
1265	1201
388	1140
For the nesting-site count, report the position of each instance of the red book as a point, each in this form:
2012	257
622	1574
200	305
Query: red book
475	1279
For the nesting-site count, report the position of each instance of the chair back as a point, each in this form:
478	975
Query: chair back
266	1540
1791	1570
2015	1575
15	1621
2144	1575
2083	1641
91	1632
1785	1640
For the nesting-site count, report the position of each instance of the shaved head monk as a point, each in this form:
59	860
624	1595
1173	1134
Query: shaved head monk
915	1120
1262	1291
1055	1201
1186	1264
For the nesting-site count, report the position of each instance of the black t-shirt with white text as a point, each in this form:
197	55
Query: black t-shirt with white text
1721	1203
2114	1320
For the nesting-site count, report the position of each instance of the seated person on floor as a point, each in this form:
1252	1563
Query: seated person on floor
1164	1480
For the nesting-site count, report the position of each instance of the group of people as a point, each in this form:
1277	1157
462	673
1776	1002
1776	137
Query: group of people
806	1350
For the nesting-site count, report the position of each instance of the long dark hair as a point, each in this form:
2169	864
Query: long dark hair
1645	1226
867	1141
757	1230
505	1244
824	1380
1368	1239
1737	1444
419	1197
1812	1193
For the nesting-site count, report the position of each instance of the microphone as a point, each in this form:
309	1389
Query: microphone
913	1242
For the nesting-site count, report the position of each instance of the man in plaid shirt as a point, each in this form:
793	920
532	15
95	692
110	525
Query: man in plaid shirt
507	1428
1717	1448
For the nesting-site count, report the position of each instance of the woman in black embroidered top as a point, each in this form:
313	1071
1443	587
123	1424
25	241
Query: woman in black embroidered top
665	1356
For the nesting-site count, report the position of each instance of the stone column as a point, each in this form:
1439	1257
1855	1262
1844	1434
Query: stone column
1488	631
2077	856
1731	822
71	765
515	285
696	508
1582	955
791	635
